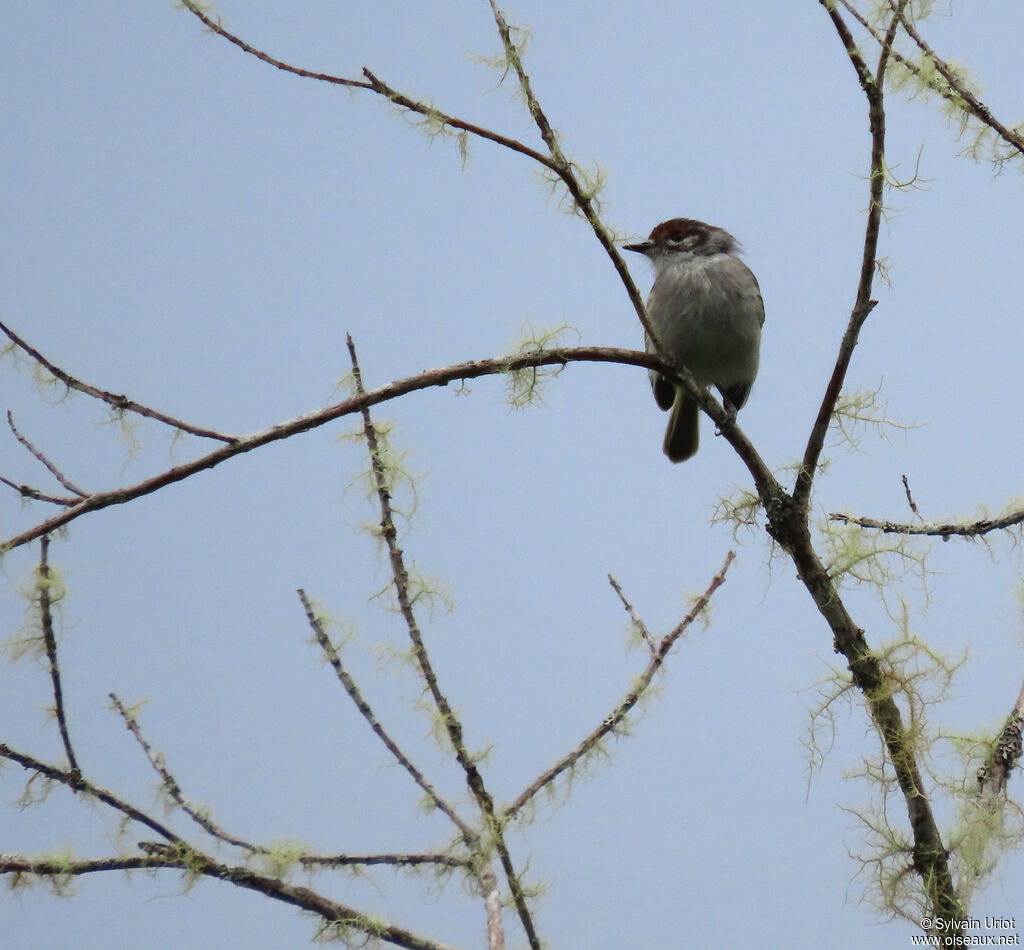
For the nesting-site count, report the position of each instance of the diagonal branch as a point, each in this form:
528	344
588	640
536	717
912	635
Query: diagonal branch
951	88
449	719
637	621
116	402
973	104
373	84
563	167
170	783
612	721
312	420
215	26
555	161
468	835
76	782
338	918
40	457
34	494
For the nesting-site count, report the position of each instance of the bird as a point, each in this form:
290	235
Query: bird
706	310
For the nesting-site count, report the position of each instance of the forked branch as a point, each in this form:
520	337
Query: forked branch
118	403
473	369
871	83
555	160
449	719
659	652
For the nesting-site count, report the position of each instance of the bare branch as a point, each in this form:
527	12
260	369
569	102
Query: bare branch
369	860
177	853
974	529
638	624
215	26
373	83
174	789
17	864
468	834
334	914
50	640
449	720
565	170
930	858
51	468
34	494
872	86
116	402
613	719
952	89
556	161
76	782
910	498
974	105
313	420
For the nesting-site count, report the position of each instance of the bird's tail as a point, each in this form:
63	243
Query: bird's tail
683	433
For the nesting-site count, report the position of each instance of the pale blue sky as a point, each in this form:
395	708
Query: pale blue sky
198	230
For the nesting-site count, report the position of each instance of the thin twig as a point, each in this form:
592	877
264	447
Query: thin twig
18	864
50	640
77	783
369	860
952	89
332	913
638	624
177	853
613	719
27	491
468	835
50	467
974	529
449	719
910	498
312	420
215	26
377	85
976	107
556	161
565	170
174	789
872	86
118	403
373	83
879	37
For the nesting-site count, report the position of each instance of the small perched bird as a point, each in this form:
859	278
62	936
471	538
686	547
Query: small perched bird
706	309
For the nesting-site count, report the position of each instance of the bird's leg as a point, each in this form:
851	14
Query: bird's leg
730	412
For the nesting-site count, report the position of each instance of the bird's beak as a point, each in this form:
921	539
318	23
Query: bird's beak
642	248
